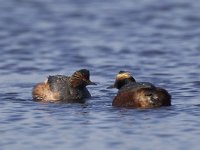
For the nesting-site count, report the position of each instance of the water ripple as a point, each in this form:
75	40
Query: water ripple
156	41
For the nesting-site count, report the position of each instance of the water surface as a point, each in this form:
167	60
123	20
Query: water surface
157	41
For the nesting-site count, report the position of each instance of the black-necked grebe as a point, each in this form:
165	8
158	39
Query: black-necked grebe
134	94
60	87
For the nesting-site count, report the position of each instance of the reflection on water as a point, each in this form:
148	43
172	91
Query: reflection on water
157	41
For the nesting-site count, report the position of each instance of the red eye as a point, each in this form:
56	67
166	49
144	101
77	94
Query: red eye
85	77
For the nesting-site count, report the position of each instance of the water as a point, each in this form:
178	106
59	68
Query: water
157	41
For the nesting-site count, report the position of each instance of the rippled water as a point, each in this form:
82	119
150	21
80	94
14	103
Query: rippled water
158	41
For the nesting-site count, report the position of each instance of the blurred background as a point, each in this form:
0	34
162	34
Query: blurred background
157	41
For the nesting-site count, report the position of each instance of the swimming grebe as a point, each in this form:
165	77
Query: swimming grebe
134	94
64	88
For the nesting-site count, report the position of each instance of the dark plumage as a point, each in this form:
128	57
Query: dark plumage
134	94
64	88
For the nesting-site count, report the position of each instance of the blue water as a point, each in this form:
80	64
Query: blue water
157	41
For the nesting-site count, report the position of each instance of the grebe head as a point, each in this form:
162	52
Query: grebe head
122	79
81	78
